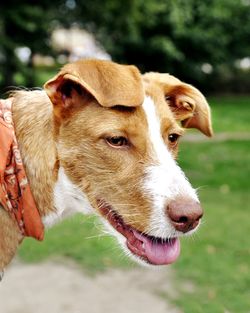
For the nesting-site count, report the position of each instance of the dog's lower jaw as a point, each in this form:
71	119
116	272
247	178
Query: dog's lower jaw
147	249
168	253
127	251
122	244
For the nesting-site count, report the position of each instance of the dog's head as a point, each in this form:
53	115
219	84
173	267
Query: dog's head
117	136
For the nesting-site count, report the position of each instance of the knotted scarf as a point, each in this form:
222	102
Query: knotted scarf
15	194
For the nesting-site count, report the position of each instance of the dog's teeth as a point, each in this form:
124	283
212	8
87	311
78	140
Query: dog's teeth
143	246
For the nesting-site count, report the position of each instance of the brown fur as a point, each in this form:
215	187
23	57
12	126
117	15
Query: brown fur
88	102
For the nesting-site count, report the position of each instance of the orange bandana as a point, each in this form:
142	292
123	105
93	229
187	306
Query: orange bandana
15	193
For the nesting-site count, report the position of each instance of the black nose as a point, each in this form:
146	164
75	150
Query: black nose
184	215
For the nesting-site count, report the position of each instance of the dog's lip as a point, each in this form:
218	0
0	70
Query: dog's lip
153	250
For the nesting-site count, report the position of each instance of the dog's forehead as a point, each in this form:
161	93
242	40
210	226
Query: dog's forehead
138	119
135	121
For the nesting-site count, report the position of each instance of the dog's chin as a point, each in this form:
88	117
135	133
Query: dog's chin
145	249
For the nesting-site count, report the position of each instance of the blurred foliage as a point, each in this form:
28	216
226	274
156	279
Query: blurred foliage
23	24
175	36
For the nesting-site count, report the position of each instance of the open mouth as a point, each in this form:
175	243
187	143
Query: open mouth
153	250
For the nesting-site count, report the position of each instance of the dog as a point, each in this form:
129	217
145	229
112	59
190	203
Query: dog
102	138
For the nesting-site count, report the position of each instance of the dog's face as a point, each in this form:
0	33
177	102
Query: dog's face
117	136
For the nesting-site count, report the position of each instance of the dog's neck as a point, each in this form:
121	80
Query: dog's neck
33	120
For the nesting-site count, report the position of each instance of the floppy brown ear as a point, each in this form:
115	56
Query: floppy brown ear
107	82
186	102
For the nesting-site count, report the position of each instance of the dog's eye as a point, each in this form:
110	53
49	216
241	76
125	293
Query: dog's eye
117	141
173	138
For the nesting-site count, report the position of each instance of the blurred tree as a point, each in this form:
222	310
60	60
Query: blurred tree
191	39
197	40
23	24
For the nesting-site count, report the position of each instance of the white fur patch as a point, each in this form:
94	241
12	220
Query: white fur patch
68	199
165	181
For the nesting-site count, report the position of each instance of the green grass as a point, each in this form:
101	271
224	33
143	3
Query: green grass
216	259
217	164
230	114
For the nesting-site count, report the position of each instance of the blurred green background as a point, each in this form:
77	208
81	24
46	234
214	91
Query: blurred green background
203	42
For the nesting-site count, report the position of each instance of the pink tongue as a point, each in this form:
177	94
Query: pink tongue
160	253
